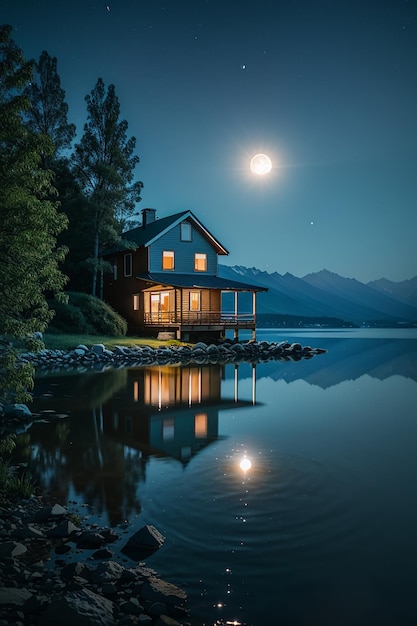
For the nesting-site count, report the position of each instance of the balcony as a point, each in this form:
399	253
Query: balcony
207	319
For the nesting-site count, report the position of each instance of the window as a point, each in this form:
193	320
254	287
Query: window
167	260
194	301
113	264
200	425
136	302
128	264
200	262
185	231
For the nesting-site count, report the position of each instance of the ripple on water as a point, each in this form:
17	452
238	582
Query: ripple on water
285	512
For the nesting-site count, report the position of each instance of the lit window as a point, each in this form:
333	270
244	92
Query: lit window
167	260
185	231
200	425
128	264
194	301
200	262
136	302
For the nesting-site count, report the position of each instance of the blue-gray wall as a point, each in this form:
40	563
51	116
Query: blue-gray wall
184	252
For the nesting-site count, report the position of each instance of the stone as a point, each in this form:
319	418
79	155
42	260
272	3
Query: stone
62	530
107	572
90	540
12	549
13	596
143	543
98	348
16	410
84	608
156	590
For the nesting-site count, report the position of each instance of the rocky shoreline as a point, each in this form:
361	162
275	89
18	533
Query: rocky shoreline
99	357
41	586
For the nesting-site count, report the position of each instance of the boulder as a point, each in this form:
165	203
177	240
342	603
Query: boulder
143	543
84	608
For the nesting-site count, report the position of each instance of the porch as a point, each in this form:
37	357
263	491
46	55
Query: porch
200	322
191	305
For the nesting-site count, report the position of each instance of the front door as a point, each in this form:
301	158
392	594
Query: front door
160	307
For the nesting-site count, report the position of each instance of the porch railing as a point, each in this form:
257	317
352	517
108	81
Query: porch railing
200	318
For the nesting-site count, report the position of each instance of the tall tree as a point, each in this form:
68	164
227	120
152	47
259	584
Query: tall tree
30	222
104	164
48	114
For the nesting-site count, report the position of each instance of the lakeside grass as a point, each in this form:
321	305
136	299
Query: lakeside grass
60	341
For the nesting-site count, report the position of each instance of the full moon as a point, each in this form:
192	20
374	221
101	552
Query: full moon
261	164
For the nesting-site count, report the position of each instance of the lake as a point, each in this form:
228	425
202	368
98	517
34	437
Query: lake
318	528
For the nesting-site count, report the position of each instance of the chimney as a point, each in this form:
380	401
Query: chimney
148	216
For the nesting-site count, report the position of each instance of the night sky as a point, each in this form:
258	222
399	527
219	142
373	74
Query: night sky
326	88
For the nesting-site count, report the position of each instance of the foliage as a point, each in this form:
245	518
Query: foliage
104	163
30	220
10	482
48	112
30	223
16	378
88	315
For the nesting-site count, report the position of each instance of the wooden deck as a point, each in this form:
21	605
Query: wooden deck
199	322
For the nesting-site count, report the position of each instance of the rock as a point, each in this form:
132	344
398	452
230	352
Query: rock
20	411
90	540
143	543
62	530
107	572
156	590
13	596
12	549
48	512
83	608
98	348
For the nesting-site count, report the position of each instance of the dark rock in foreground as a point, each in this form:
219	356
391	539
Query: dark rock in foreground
35	592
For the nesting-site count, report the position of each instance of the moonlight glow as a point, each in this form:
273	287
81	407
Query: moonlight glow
261	164
245	464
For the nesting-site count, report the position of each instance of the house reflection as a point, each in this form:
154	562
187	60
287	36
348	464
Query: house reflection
168	411
117	420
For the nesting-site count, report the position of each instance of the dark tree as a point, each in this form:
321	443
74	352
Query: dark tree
30	222
104	164
48	114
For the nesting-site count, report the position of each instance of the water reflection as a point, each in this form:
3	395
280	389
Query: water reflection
117	421
333	465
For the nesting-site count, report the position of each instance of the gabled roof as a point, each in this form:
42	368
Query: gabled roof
197	281
146	235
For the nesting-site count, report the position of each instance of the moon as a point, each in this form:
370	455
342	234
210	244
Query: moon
261	164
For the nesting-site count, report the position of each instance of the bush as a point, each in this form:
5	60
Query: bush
86	315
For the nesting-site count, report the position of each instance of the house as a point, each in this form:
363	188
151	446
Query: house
166	281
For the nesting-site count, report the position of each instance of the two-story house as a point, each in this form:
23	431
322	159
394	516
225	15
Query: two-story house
168	280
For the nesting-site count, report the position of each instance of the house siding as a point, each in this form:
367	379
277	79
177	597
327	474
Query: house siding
184	252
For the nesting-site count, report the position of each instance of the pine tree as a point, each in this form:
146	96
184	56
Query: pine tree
30	222
48	114
104	164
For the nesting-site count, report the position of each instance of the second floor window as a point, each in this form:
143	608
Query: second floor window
128	265
167	260
200	262
185	231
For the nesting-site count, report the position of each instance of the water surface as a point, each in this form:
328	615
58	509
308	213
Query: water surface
319	531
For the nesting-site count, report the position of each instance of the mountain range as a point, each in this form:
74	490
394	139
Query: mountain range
327	294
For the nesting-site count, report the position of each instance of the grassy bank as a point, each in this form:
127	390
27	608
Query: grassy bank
69	342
